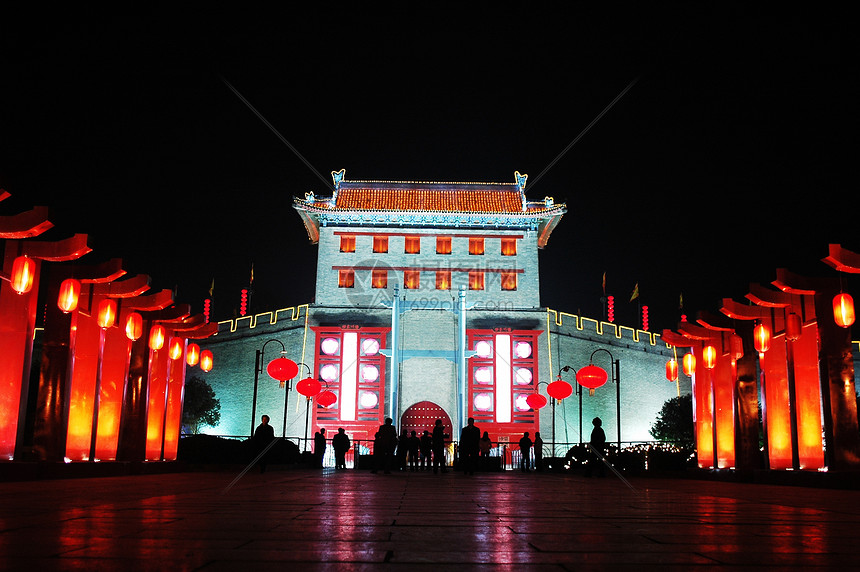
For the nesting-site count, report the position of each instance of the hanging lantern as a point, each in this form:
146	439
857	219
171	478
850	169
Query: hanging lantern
709	355
559	389
176	347
761	338
843	310
688	363
282	369
134	326
192	354
23	273
793	327
326	398
591	376
70	293
106	316
736	344
308	387
206	360
157	334
536	401
672	370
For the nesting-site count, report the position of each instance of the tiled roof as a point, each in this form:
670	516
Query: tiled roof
434	197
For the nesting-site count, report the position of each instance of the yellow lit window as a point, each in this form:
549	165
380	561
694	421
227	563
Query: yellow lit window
411	279
413	245
379	278
476	280
347	243
345	278
476	246
380	244
443	279
443	245
509	247
509	280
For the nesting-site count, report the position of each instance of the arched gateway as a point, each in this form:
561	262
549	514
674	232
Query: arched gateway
422	416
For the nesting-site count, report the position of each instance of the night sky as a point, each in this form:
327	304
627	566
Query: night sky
732	152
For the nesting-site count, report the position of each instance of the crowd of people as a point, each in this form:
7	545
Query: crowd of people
427	452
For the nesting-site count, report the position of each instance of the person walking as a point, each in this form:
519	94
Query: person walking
264	434
470	445
538	452
486	445
340	443
426	450
525	451
414	446
596	449
319	448
387	443
439	447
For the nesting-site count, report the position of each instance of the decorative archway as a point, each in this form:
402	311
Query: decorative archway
422	416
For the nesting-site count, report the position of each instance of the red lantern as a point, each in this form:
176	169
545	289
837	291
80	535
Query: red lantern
23	273
591	376
326	398
192	354
206	360
106	313
134	326
793	327
709	354
843	310
176	347
689	364
559	389
672	370
70	293
156	337
282	369
536	400
308	387
761	338
610	308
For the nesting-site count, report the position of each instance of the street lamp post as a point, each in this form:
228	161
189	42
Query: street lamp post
616	378
258	367
558	390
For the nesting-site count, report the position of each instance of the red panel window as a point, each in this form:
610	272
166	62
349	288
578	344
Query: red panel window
476	280
379	278
509	280
347	243
346	278
476	245
509	247
443	245
443	279
380	244
411	279
412	245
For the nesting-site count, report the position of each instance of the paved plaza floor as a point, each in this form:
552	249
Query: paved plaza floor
353	520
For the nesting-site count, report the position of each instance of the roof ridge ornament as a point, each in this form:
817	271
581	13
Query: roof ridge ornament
521	187
337	179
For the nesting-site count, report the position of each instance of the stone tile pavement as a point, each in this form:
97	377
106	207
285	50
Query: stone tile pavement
354	520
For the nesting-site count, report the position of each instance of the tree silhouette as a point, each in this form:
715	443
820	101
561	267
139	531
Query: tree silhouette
675	421
200	407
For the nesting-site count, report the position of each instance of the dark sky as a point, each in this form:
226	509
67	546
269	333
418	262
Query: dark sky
732	153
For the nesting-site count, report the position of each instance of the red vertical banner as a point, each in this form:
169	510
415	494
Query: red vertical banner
724	380
114	371
807	389
173	413
84	361
777	413
702	408
157	395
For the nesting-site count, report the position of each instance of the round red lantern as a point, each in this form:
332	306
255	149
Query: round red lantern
106	316
206	360
326	398
308	387
761	338
23	273
134	326
536	400
559	389
591	376
843	310
70	293
282	369
688	362
192	354
709	355
156	337
672	370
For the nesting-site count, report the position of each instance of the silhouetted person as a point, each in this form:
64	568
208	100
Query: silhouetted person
525	447
470	445
263	435
387	443
426	449
538	452
340	443
377	453
319	448
414	445
402	451
439	447
597	449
